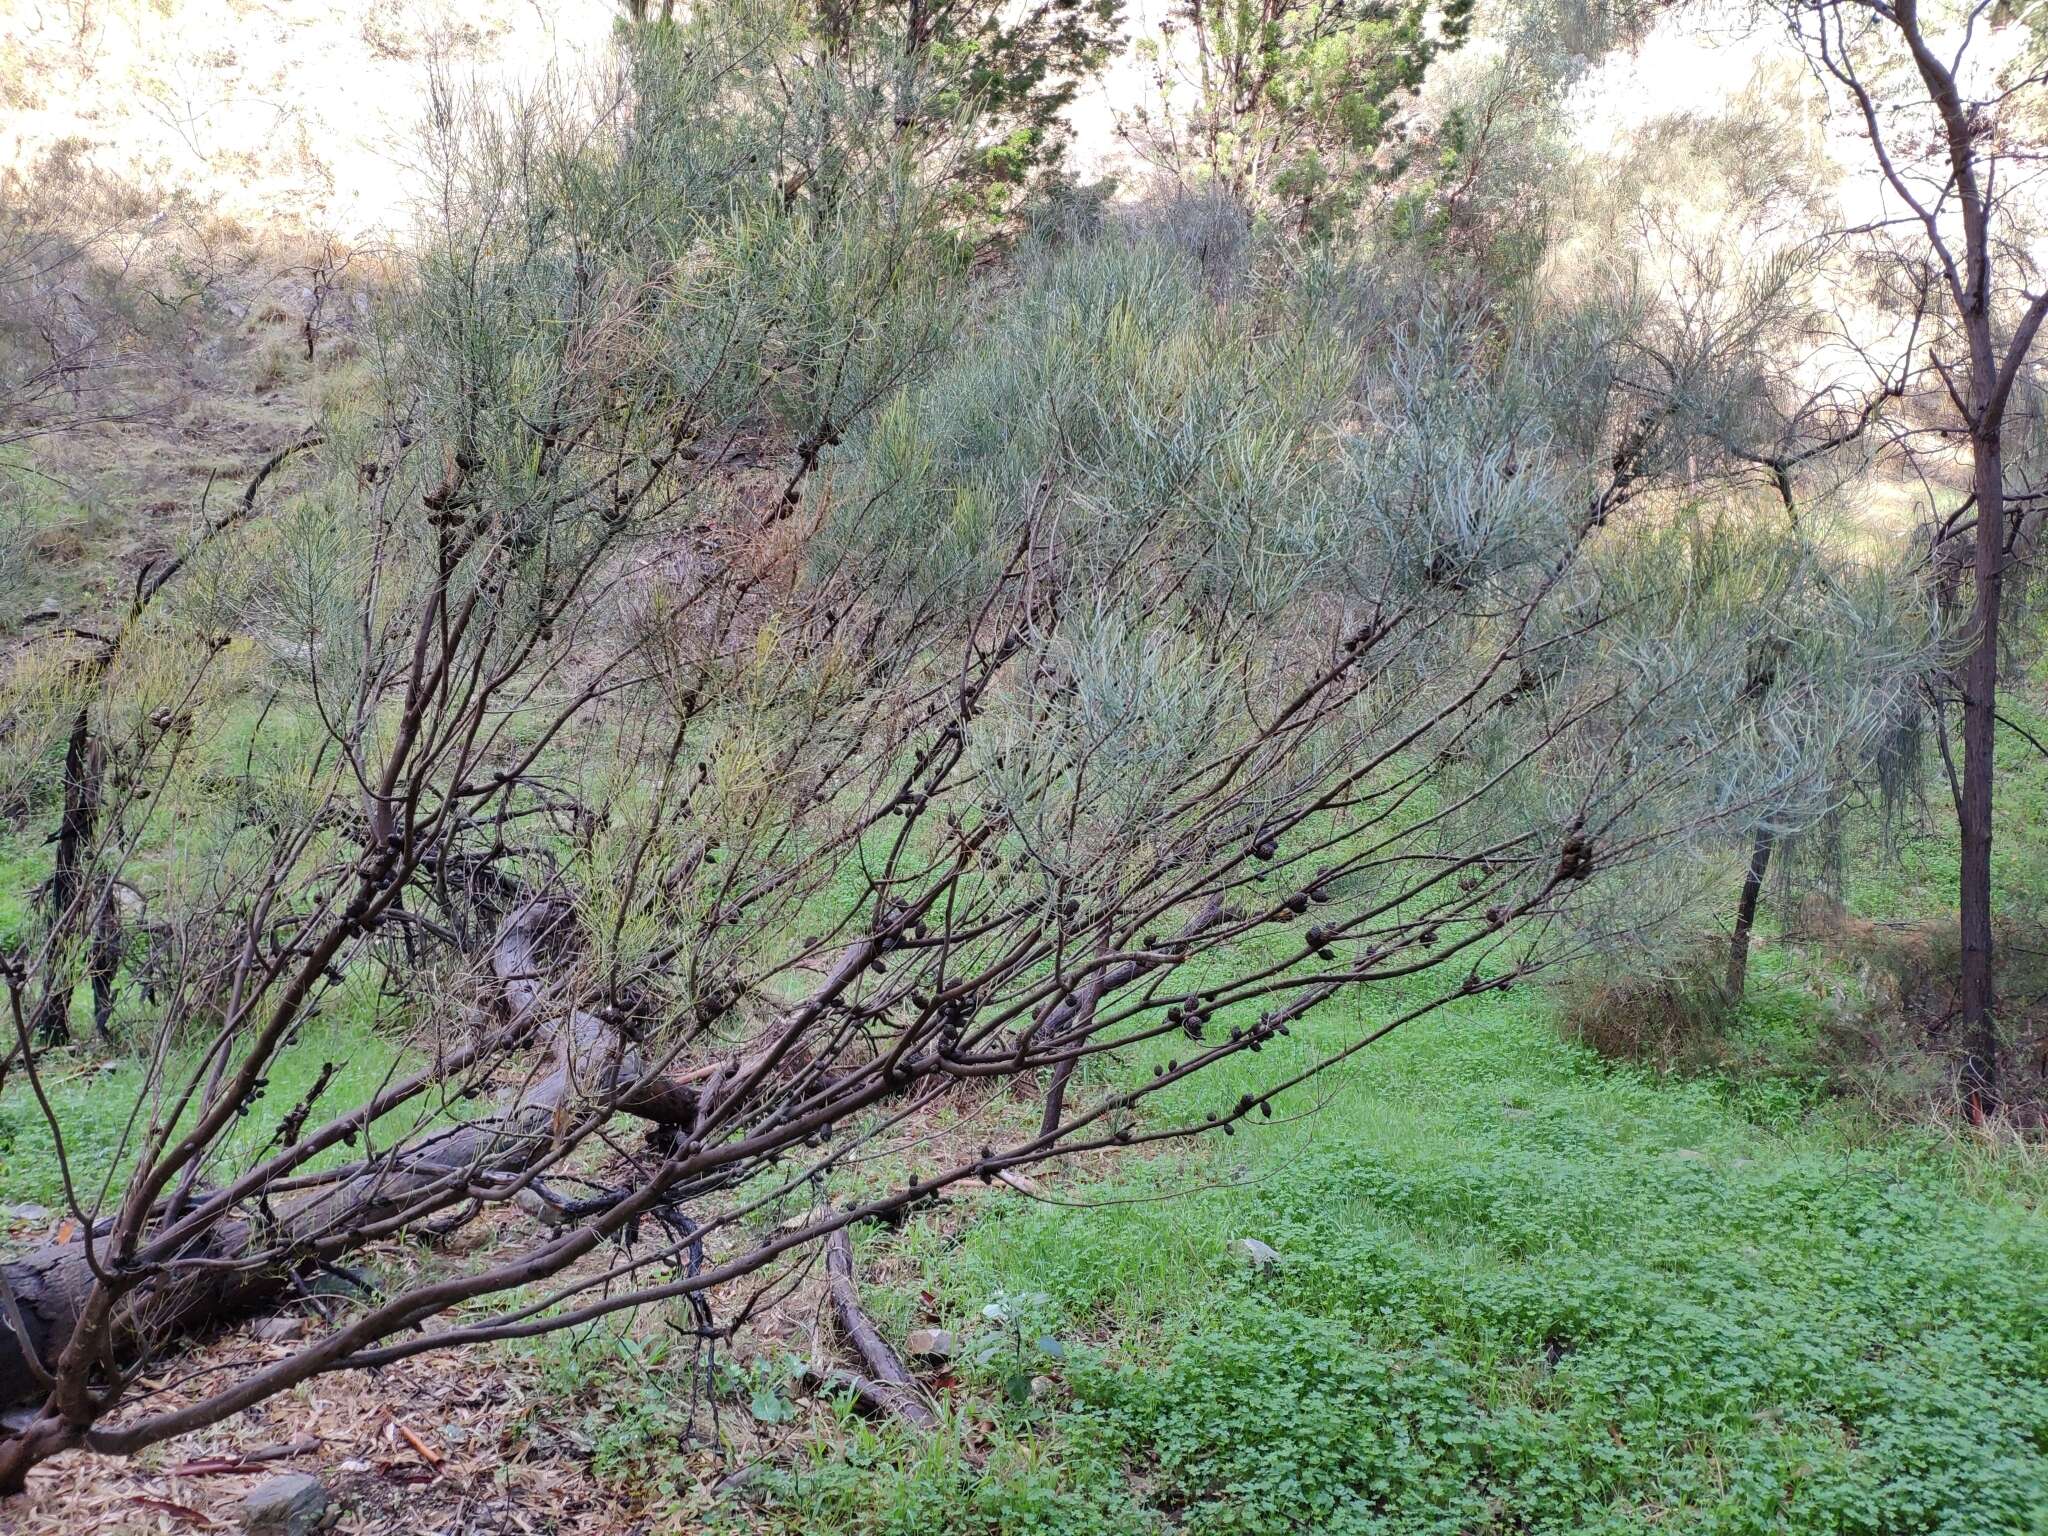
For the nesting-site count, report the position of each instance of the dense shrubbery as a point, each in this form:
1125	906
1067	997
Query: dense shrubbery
807	633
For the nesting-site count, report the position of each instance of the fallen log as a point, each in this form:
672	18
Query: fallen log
890	1386
45	1292
879	1397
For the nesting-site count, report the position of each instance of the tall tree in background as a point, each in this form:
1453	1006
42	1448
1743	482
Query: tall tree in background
1743	343
1294	105
1945	107
1010	68
971	91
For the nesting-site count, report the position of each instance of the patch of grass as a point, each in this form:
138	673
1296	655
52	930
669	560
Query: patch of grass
962	1481
51	548
620	1400
96	1103
1519	1291
22	873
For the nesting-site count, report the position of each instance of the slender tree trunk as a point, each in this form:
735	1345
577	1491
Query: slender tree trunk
1967	129
1745	915
1980	699
52	1022
103	967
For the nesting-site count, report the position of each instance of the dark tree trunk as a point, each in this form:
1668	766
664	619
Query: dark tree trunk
1980	702
1981	400
75	827
1745	915
104	966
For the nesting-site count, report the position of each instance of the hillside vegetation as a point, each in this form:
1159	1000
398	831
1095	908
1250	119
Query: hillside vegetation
1048	768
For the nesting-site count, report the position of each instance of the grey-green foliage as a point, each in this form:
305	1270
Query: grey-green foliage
612	302
1743	673
1212	494
1248	456
1153	457
1108	408
1564	36
1219	476
1209	500
1715	231
610	291
1459	472
1819	645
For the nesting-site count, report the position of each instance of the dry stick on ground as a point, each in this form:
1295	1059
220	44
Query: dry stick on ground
891	1389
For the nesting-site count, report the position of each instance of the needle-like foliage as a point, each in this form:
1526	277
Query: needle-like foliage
738	672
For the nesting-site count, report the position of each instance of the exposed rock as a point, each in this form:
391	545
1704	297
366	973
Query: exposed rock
1257	1253
928	1344
279	1330
293	1505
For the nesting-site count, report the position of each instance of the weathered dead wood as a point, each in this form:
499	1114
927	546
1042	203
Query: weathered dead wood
890	1401
45	1292
892	1389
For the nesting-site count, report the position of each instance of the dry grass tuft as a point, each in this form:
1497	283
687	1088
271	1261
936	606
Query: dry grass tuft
1670	1018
